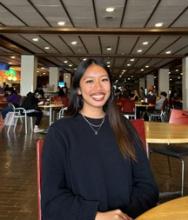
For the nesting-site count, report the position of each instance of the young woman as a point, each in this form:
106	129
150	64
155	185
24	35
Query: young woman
94	166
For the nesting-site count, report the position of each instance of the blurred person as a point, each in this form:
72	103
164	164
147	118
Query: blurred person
30	103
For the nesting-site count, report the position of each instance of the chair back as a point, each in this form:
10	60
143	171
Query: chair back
139	126
178	116
39	146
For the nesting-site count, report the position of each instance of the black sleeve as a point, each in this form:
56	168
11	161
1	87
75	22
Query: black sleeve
145	193
57	199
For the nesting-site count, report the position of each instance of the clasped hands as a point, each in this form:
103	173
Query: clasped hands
112	215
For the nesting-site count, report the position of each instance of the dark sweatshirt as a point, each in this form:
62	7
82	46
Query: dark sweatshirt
83	173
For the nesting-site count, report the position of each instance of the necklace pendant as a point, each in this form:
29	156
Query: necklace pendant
96	132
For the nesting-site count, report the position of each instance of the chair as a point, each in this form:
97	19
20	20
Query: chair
162	114
176	151
39	146
61	112
128	108
18	114
138	124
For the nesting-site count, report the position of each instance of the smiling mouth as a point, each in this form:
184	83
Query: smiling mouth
98	97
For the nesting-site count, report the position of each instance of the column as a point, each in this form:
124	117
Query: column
150	81
142	82
28	74
185	83
163	80
67	79
53	78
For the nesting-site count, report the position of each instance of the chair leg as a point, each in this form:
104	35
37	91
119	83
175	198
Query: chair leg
182	176
25	123
15	123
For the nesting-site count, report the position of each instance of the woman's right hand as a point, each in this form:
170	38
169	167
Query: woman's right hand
112	215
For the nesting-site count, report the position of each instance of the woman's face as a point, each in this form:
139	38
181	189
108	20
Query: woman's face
95	87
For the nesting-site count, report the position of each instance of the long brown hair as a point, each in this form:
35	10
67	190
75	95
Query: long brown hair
121	132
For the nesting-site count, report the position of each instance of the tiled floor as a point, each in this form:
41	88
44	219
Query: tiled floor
18	186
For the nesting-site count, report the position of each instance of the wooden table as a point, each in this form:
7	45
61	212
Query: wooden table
173	209
51	107
162	132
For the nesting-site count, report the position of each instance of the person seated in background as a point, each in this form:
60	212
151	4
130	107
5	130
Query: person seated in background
12	98
159	102
30	103
151	98
134	96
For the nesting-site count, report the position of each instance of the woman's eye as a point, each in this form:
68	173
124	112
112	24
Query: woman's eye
89	81
105	79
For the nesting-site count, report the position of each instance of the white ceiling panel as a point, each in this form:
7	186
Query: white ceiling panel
137	12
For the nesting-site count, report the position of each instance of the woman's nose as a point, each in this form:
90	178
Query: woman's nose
97	84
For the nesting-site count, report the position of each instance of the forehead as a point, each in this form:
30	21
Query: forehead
95	70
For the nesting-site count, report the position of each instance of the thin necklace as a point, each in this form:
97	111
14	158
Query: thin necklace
95	128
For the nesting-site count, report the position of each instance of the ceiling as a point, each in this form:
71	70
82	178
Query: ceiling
124	30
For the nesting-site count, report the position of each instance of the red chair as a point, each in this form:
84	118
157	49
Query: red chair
178	116
139	126
127	107
178	151
39	146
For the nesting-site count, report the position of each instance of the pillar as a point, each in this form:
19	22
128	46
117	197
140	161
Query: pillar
163	80
53	78
185	82
28	74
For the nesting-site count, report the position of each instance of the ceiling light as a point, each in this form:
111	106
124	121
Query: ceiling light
108	66
168	52
70	65
147	66
142	70
139	51
109	9
128	64
12	57
74	42
145	43
65	61
109	48
132	59
61	23
47	48
159	24
84	59
107	62
35	39
10	63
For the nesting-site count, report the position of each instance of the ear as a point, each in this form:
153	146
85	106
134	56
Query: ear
79	91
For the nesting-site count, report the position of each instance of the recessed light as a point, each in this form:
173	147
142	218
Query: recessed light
142	70
70	65
109	48
168	52
159	24
35	39
65	61
132	59
145	43
146	66
10	63
139	51
47	48
109	9
84	59
108	62
74	42
128	64
12	57
61	23
108	66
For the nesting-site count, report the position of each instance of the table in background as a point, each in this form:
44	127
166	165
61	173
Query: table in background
162	132
51	107
173	209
